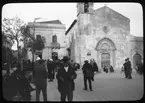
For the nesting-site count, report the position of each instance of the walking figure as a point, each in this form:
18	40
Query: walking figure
40	78
88	75
95	66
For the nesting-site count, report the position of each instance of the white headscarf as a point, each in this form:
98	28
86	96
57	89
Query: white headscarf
38	58
50	59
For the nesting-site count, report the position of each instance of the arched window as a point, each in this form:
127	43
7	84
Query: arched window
54	39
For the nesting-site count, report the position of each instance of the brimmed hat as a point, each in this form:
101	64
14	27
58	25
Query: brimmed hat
65	59
126	59
86	61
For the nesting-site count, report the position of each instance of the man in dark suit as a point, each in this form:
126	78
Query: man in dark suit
51	70
88	74
129	69
40	78
66	76
125	68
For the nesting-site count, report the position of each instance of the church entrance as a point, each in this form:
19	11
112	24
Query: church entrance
136	59
106	53
105	60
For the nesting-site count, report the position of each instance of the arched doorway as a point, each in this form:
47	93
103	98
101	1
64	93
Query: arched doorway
136	59
105	60
106	53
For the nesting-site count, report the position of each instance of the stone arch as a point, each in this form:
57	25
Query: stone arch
108	41
134	51
136	59
106	47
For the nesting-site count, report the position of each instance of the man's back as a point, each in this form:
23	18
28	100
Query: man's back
40	73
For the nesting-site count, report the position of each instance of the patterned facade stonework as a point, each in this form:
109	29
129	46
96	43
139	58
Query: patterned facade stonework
105	34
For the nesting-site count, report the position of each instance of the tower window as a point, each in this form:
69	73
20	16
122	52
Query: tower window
86	6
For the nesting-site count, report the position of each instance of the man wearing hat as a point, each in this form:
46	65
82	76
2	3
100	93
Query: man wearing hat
50	68
88	75
66	76
127	69
40	78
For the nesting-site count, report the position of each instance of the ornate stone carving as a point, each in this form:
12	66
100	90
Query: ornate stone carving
106	29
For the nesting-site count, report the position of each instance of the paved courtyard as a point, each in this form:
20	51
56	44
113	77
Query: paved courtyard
106	87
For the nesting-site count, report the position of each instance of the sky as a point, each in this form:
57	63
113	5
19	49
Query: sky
67	12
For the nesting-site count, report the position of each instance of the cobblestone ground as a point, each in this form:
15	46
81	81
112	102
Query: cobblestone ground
106	87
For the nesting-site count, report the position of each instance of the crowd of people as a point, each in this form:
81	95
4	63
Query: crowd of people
17	82
16	85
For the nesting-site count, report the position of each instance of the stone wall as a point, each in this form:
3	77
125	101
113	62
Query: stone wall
91	30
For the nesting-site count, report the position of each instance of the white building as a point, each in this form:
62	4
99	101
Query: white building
54	34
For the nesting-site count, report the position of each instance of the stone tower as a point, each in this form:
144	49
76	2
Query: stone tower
84	10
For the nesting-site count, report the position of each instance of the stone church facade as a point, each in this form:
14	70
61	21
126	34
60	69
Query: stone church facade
103	35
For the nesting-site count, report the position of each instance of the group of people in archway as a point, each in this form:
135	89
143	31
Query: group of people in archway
107	69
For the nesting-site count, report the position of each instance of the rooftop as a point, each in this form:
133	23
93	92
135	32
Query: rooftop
51	22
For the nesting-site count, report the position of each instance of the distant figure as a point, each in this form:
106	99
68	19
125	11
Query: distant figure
95	66
88	75
66	76
125	68
128	69
105	69
72	64
51	69
140	68
40	78
122	69
76	66
111	69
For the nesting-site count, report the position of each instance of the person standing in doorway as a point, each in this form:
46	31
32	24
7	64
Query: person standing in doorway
65	77
40	78
88	75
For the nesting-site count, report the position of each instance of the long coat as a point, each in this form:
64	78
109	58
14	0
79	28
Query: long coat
40	74
66	79
88	70
129	69
51	69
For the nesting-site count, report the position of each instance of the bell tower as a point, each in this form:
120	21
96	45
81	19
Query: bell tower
85	7
84	11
